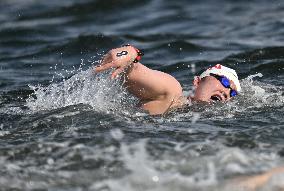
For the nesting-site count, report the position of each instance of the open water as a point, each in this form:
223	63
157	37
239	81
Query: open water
64	128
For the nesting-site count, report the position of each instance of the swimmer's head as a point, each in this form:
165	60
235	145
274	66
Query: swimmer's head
218	83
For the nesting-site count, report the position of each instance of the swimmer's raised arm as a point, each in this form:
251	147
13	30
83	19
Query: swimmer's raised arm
156	90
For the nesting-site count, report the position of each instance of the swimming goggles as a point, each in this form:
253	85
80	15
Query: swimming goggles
226	83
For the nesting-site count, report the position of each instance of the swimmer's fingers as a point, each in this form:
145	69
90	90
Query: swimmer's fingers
117	58
104	67
116	72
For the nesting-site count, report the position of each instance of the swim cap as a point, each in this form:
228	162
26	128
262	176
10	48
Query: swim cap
221	70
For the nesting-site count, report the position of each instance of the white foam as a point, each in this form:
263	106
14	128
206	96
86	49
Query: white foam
3	133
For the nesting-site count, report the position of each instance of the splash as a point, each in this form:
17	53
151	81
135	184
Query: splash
85	87
258	94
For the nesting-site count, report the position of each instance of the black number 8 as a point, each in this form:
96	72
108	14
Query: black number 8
122	53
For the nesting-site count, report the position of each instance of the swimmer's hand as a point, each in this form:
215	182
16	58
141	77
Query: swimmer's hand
118	59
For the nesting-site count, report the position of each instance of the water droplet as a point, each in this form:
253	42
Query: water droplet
50	161
155	178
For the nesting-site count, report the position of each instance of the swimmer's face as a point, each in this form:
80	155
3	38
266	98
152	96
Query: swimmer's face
210	89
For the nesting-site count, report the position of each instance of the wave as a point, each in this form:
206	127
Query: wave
266	53
84	8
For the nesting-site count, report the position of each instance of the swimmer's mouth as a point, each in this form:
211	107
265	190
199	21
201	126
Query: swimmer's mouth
216	98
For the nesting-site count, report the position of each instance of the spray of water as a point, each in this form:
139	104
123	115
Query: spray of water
85	87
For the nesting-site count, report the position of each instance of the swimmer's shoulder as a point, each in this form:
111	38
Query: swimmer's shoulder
172	86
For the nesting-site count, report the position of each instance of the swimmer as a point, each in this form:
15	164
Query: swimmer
159	92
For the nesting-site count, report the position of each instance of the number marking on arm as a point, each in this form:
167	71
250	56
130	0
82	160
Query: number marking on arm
122	53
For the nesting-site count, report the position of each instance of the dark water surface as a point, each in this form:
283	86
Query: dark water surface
80	131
